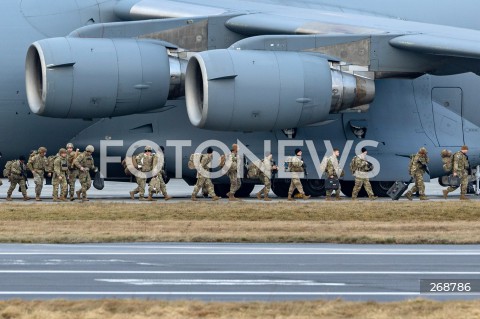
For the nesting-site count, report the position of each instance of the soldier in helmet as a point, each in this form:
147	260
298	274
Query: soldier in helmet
84	163
418	167
461	166
144	163
157	184
232	173
360	167
203	177
37	164
296	166
17	175
60	170
72	173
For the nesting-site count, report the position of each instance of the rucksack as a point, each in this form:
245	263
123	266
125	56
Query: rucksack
50	161
194	158
8	169
353	165
411	166
254	169
447	159
223	159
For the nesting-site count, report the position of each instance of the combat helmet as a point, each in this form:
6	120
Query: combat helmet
148	148
69	145
42	149
62	150
422	150
89	148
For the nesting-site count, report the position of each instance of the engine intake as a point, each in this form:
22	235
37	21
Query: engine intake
92	78
264	90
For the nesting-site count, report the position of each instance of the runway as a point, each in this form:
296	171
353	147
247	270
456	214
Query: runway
235	272
181	191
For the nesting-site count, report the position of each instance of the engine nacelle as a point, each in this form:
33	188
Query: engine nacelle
92	78
265	90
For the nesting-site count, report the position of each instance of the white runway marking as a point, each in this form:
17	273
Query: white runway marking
217	282
214	293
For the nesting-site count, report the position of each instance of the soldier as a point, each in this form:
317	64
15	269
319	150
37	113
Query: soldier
360	168
144	163
18	175
296	165
60	171
84	162
232	173
203	178
157	183
72	172
461	166
37	165
266	176
333	171
418	167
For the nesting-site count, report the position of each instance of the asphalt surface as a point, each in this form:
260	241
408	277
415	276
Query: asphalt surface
235	272
119	192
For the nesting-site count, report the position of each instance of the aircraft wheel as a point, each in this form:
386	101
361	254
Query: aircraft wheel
245	190
280	187
314	187
380	188
347	189
221	189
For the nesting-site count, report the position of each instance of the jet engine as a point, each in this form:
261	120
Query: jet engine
248	90
92	78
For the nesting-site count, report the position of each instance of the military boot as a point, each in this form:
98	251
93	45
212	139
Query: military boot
132	195
37	198
265	196
9	197
150	198
337	196
55	199
259	195
72	198
463	197
78	194
214	198
290	198
232	197
372	197
408	195
423	197
166	197
141	198
194	198
354	198
305	197
63	199
445	193
25	198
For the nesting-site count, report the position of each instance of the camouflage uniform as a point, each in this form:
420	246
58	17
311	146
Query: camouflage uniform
204	181
361	176
144	164
265	178
417	171
16	177
296	166
460	168
157	183
333	169
235	182
37	165
72	172
84	162
60	170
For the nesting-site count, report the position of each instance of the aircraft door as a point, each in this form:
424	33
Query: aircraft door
447	113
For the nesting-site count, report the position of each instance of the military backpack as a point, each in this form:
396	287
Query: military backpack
412	167
353	165
8	169
50	163
447	160
194	158
254	169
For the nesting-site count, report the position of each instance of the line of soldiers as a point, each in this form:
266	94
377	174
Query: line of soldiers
66	167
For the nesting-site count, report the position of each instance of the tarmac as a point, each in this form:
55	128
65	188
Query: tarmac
181	191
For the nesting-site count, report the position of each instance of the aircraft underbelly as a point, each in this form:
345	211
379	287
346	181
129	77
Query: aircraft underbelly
447	113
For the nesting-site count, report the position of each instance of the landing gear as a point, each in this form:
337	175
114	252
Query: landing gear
314	187
280	187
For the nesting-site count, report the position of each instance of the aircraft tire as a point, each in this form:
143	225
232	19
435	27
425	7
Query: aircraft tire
280	187
314	187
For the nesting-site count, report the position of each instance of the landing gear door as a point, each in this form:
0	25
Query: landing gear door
447	113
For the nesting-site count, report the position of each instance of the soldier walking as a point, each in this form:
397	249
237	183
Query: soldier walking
333	171
18	173
296	166
360	168
37	165
232	164
461	166
144	163
157	183
266	176
60	171
84	163
72	173
203	178
418	167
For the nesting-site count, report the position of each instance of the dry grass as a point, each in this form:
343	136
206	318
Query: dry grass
450	222
137	309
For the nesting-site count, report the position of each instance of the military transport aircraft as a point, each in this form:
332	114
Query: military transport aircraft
390	75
